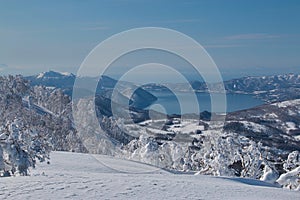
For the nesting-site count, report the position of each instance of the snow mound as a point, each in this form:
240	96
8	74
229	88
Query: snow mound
291	179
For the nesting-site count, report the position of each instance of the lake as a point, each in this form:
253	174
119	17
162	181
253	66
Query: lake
169	103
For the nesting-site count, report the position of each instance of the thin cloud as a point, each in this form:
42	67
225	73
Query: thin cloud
220	46
22	31
181	21
177	21
252	36
96	28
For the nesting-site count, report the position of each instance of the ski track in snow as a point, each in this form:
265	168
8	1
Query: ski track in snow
86	176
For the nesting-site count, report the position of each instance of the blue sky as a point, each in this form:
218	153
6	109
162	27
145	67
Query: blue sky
243	37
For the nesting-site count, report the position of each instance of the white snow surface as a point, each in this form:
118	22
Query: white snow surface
41	75
254	127
285	104
186	126
87	176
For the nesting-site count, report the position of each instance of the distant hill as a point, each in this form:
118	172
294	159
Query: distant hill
276	125
268	88
65	81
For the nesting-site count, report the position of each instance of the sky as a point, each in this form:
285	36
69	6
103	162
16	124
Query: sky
243	37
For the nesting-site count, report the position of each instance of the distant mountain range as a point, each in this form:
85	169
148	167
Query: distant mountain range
268	88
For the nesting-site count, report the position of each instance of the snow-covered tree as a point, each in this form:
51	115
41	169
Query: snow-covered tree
228	154
291	179
57	118
21	147
23	139
216	154
292	161
146	149
269	174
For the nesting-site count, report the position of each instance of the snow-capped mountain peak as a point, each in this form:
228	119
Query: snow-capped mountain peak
54	74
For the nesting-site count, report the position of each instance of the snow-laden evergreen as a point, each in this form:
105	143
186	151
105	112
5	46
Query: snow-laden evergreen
22	142
291	179
21	147
33	121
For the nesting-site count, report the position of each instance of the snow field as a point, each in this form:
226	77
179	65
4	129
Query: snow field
87	176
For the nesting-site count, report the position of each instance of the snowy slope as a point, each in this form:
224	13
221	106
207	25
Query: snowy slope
87	176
